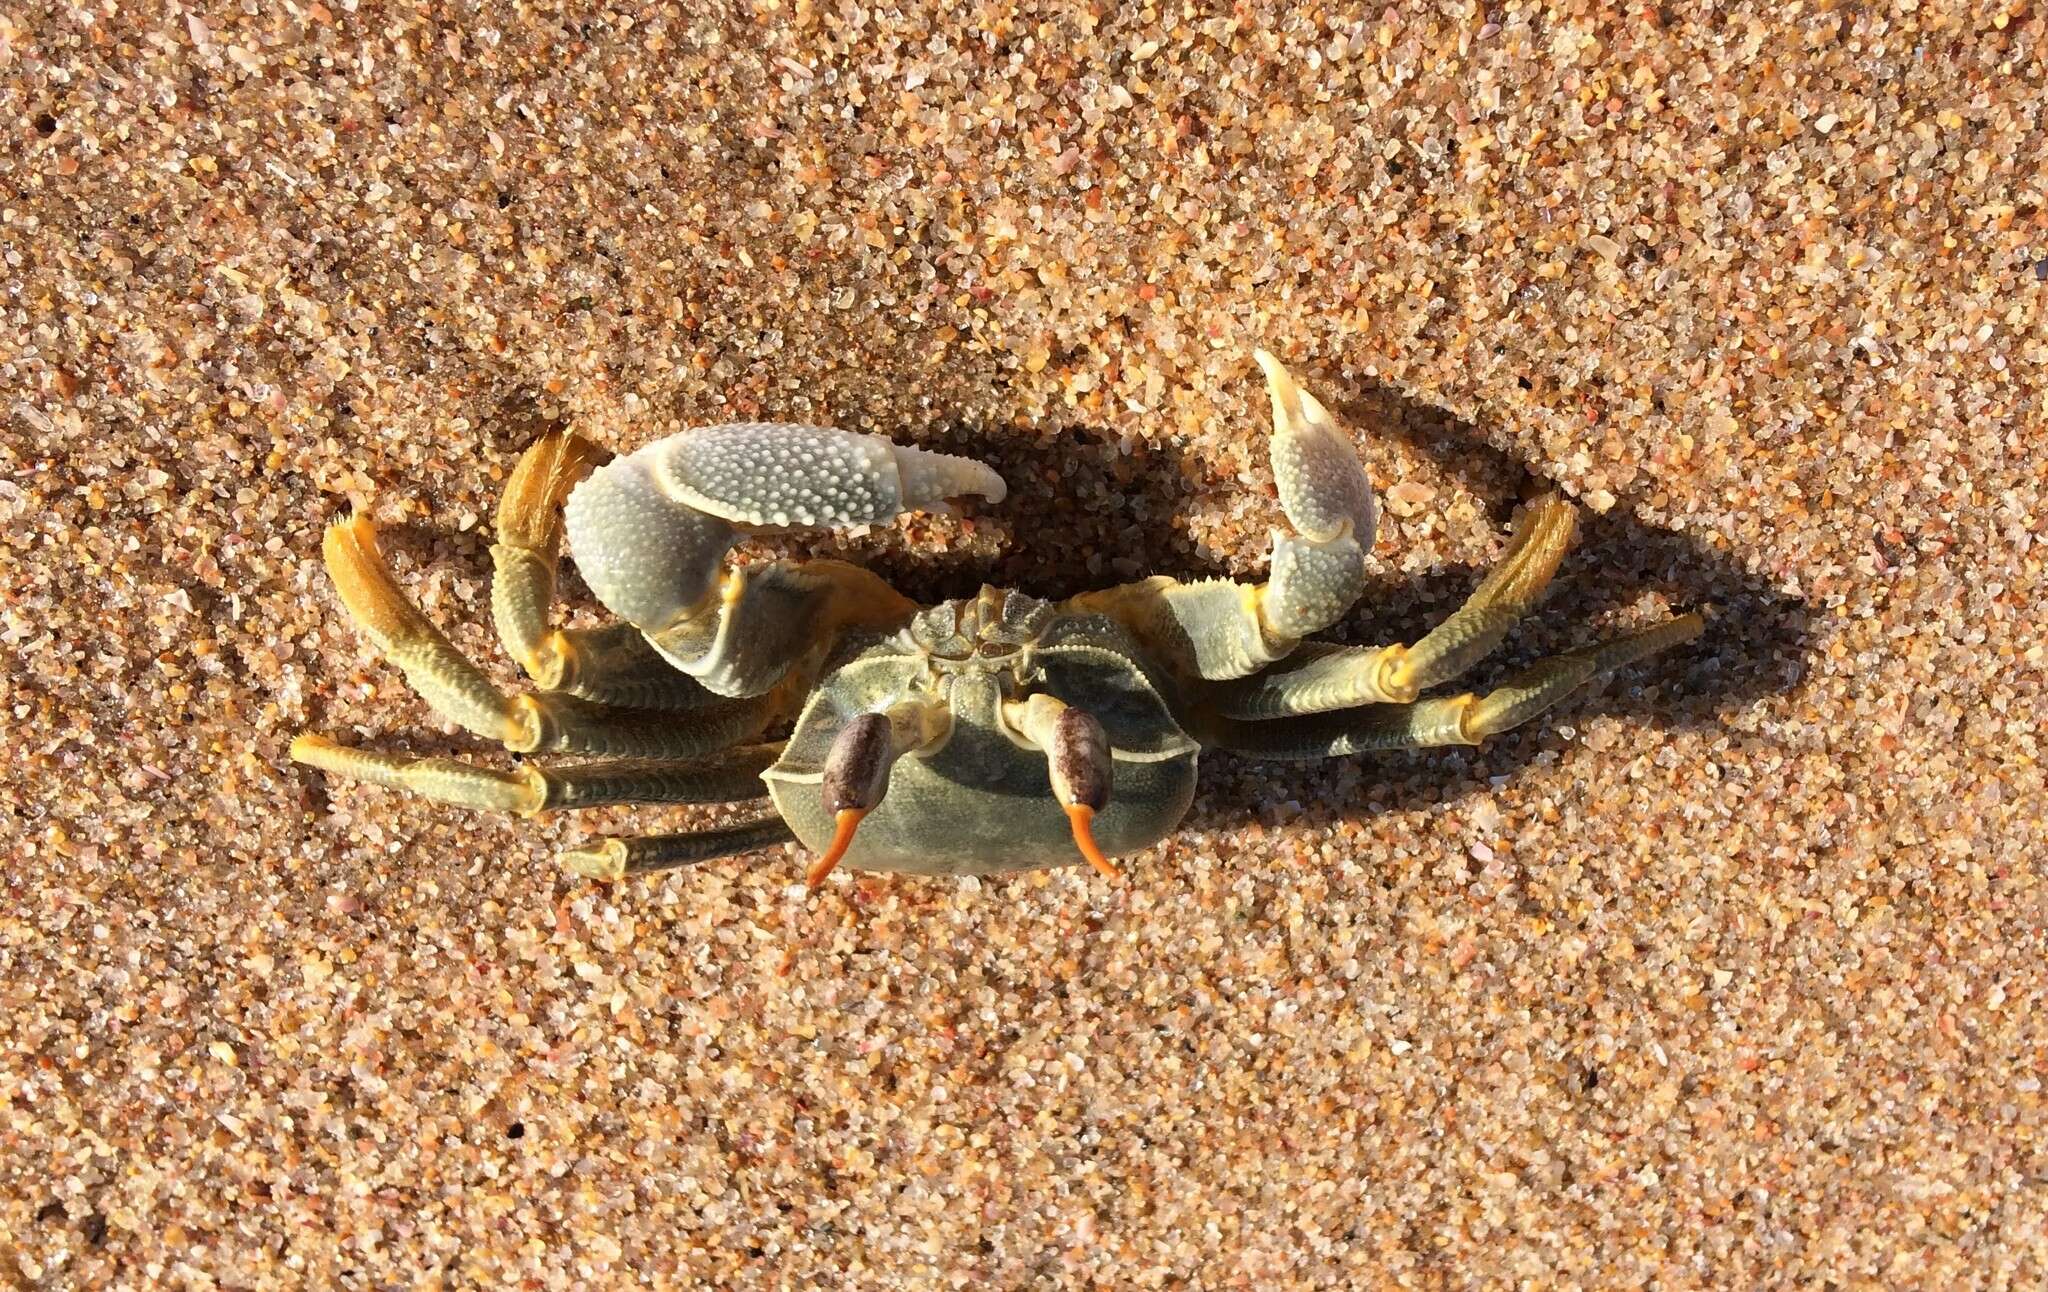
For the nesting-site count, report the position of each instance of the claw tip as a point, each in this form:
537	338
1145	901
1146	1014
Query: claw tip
606	862
1275	371
1290	413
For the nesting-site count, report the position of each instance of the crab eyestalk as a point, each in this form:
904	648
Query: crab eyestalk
857	769
1077	760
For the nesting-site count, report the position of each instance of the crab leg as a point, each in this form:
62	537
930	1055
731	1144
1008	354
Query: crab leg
609	665
1342	677
1217	629
460	692
651	530
733	776
443	675
618	858
1455	720
615	665
529	544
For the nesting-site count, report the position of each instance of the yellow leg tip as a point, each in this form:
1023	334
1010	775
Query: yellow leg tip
356	564
1396	679
353	531
605	862
546	472
552	662
1542	537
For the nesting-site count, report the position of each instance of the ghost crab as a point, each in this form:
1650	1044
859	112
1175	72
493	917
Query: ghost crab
991	734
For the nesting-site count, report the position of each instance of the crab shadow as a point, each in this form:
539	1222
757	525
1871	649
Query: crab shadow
1086	513
1756	641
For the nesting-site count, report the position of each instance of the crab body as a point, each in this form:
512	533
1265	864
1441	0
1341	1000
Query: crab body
980	799
997	733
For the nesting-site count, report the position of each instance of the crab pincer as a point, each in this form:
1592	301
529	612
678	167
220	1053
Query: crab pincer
1319	569
651	530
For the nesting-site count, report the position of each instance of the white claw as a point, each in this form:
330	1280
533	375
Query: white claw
928	478
765	473
647	559
1323	489
1319	569
649	531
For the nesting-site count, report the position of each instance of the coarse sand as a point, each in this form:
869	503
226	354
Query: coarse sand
1728	973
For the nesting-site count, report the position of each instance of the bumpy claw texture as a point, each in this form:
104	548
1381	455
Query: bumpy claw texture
1323	489
1311	584
1319	570
650	530
645	556
1217	630
771	473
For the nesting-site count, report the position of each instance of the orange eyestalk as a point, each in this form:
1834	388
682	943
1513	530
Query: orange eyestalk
849	820
1082	818
857	770
1077	758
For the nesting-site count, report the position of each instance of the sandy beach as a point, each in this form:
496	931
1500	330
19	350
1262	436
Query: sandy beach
1727	973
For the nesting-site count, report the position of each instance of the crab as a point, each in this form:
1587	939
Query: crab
997	733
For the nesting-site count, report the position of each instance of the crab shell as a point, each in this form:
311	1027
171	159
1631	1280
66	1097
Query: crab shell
981	801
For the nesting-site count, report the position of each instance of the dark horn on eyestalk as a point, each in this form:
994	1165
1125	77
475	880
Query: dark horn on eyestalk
1078	762
857	770
1078	759
856	777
